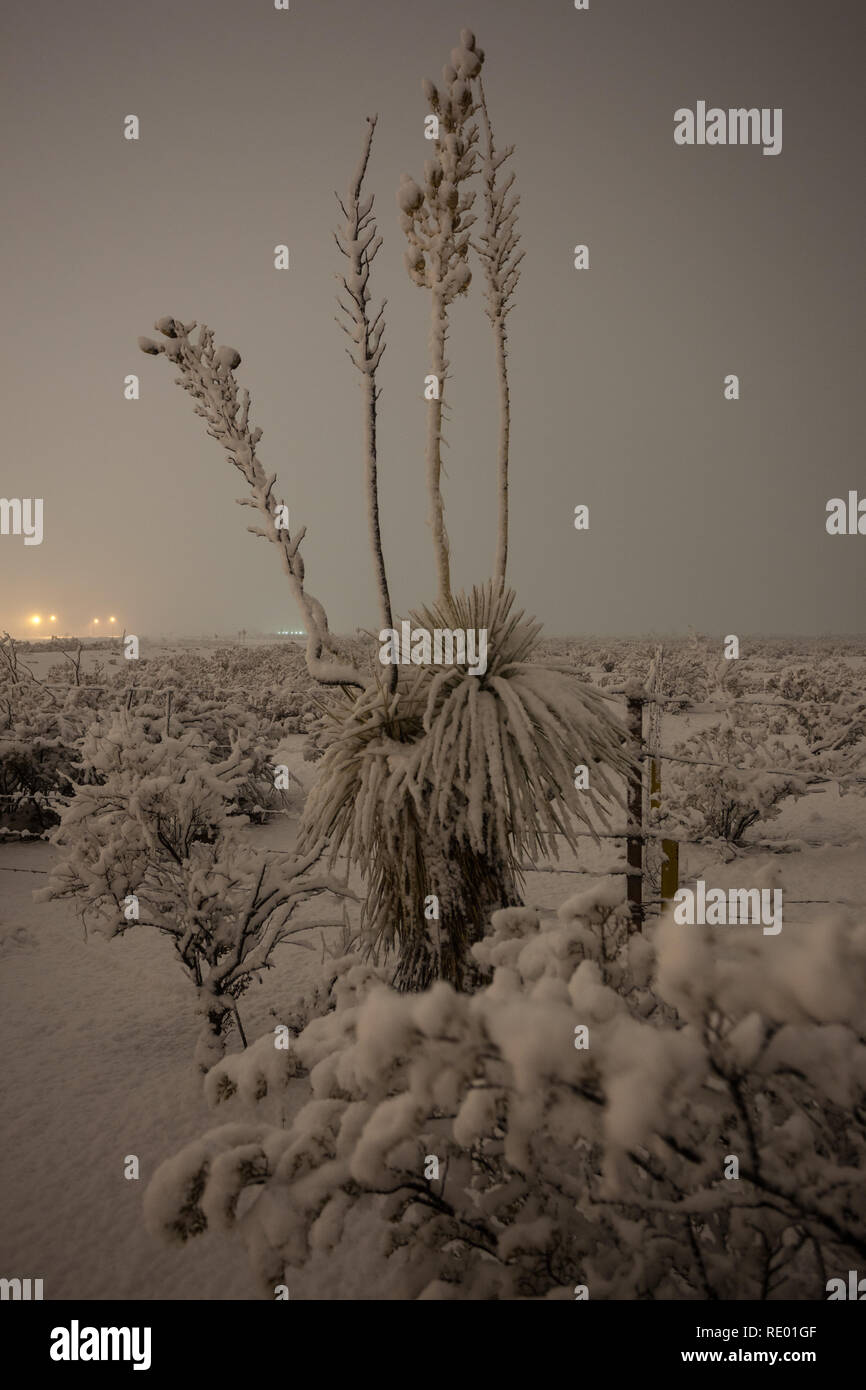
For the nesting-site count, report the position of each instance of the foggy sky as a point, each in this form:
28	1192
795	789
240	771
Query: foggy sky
703	262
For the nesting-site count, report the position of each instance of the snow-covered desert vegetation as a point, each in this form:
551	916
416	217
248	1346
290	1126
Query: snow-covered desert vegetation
563	1118
450	959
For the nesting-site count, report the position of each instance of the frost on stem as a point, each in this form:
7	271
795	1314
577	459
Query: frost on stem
436	219
359	241
207	374
500	260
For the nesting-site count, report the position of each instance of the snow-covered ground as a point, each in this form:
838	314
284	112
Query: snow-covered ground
98	1039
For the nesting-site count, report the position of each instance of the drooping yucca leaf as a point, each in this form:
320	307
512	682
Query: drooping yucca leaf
443	787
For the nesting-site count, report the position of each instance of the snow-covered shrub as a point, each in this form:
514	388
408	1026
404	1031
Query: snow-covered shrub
825	705
154	842
704	801
686	674
247	700
40	734
822	683
37	765
442	789
827	711
573	1123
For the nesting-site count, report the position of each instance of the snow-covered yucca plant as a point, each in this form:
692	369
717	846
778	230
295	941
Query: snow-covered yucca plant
442	790
435	785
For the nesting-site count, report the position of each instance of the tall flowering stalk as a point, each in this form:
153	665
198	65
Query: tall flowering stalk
359	241
436	219
500	260
207	373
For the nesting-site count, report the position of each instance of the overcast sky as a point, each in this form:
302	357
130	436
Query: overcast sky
703	262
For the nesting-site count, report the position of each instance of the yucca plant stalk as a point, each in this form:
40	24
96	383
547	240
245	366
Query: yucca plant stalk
500	260
360	243
436	219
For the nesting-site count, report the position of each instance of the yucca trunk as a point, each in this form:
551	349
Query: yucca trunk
438	792
467	887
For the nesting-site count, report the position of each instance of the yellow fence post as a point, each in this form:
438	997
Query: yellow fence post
634	843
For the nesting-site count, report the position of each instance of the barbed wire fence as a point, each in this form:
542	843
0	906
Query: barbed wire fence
652	856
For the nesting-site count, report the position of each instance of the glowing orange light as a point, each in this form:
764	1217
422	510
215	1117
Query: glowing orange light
112	620
53	618
36	620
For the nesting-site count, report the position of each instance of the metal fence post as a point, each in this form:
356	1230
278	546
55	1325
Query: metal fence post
634	844
670	869
670	848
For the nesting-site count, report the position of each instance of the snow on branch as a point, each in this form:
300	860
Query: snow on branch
207	374
359	241
498	245
500	260
436	220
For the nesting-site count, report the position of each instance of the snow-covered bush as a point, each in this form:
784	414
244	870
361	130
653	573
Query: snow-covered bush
702	800
40	733
154	842
686	674
826	709
572	1123
37	767
246	700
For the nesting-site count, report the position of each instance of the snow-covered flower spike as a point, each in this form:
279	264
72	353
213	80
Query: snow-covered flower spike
500	260
359	241
207	374
436	226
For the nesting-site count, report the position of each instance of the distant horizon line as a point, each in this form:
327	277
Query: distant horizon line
258	634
